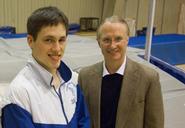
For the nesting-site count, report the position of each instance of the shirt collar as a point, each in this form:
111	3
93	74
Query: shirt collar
42	73
120	71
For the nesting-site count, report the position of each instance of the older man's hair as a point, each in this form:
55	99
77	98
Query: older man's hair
113	19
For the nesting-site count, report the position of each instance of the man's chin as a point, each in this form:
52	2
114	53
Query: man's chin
114	60
56	65
115	57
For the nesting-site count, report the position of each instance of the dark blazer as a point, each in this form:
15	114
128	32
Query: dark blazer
140	103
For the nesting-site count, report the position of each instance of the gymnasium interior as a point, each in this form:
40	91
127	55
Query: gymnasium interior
167	55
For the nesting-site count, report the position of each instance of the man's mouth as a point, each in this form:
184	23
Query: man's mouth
112	51
55	57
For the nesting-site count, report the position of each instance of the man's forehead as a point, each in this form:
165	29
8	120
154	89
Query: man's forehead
113	27
55	29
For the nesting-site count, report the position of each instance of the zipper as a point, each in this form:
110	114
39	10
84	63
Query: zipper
61	101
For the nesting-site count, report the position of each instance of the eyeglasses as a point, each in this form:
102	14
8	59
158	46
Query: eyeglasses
108	40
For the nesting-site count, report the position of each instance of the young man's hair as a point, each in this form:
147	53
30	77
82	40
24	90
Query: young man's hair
113	19
45	16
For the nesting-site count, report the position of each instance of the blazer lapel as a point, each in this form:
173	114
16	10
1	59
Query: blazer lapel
96	90
127	93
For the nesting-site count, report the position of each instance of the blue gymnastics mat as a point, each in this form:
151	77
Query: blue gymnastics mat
9	36
167	47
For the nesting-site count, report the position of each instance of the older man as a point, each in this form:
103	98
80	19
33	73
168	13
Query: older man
121	93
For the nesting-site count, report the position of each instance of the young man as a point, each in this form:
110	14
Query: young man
120	92
45	93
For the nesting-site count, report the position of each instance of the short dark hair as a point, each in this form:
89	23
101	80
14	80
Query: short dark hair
113	19
45	16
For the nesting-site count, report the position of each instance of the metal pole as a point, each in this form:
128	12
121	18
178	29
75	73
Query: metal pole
149	30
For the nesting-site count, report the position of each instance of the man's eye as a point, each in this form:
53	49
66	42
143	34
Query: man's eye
106	40
118	39
62	40
48	40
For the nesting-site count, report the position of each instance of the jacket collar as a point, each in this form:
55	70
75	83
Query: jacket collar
46	76
127	94
128	91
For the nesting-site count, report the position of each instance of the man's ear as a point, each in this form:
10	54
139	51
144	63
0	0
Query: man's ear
30	40
98	41
127	38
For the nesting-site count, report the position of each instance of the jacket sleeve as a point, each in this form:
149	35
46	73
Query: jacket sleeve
16	110
14	116
154	113
82	111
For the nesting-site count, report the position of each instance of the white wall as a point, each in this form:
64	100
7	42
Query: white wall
15	12
166	14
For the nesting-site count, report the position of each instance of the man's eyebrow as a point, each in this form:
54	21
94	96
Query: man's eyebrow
63	37
49	36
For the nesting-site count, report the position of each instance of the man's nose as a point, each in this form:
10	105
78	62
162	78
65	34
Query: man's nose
56	46
113	43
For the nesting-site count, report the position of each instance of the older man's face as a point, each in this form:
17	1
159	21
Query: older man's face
113	41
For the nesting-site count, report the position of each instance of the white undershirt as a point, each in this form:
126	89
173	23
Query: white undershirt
120	71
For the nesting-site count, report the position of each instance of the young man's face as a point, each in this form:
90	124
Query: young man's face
48	48
113	42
